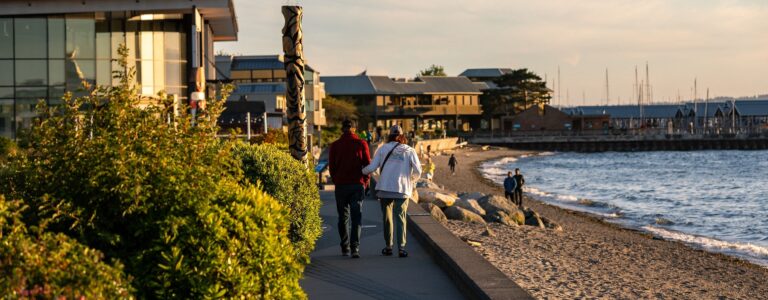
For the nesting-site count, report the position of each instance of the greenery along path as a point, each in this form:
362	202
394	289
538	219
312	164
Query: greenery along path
373	276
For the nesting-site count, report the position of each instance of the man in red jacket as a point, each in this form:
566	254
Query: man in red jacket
347	158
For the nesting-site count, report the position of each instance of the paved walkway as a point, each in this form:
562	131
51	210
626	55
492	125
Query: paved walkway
373	276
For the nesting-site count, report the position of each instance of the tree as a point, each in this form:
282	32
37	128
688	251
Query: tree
433	70
517	91
336	111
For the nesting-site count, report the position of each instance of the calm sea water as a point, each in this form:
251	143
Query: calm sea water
715	200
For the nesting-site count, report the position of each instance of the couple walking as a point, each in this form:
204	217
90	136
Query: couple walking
350	167
513	187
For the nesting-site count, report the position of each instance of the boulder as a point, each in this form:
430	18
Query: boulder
470	205
423	183
435	211
499	216
533	219
415	195
458	213
551	225
493	203
440	199
472	196
488	232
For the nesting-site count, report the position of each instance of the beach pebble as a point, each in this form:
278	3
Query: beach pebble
470	205
460	214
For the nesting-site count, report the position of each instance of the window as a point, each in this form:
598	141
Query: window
31	72
6	38
30	37
6	72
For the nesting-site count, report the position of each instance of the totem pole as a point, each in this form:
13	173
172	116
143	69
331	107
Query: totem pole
294	73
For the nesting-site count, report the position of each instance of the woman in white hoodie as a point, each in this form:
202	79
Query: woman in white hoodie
399	168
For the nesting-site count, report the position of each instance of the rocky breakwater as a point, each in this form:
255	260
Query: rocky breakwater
474	207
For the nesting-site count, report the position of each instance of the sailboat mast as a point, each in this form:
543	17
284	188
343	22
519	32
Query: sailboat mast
559	86
607	89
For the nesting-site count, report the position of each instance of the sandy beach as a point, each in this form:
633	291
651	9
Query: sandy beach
591	258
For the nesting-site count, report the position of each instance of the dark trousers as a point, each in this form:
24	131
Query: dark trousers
453	168
349	201
518	196
510	196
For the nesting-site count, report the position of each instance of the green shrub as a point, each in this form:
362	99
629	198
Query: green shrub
291	183
149	189
52	265
7	147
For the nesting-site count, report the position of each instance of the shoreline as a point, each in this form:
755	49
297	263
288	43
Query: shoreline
594	257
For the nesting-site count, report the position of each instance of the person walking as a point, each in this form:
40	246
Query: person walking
346	157
399	168
510	185
452	162
520	180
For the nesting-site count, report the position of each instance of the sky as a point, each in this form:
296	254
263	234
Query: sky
722	44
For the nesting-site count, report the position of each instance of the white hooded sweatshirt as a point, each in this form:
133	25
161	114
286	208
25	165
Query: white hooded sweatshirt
401	171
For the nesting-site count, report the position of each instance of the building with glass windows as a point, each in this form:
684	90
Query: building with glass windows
48	47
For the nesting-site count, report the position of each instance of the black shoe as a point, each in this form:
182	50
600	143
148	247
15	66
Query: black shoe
386	251
355	253
402	253
344	251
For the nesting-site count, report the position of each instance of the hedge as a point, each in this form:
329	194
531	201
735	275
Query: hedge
291	183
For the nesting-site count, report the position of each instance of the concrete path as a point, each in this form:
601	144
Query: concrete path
373	276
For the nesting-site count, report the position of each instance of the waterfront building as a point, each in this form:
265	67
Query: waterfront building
49	47
485	75
261	78
426	103
538	118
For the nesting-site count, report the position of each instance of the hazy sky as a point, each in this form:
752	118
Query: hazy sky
723	43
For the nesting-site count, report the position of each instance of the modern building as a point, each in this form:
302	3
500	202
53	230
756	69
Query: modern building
485	75
48	47
426	103
262	79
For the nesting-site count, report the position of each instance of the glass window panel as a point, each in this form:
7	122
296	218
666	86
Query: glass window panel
25	112
6	38
174	73
31	72
55	93
56	72
32	92
30	37
6	117
78	70
118	37
172	46
6	72
103	72
56	46
6	92
158	56
103	41
81	37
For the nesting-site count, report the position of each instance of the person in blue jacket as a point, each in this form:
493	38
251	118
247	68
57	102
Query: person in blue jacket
510	185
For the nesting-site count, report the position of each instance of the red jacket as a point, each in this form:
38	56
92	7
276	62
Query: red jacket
347	158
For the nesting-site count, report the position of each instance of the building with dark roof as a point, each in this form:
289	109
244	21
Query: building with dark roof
425	103
50	47
236	113
261	78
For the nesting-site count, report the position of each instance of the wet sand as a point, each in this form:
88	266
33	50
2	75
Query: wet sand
591	258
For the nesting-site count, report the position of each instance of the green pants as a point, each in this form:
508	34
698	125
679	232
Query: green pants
400	207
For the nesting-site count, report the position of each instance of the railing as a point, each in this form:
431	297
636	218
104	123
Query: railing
618	134
415	110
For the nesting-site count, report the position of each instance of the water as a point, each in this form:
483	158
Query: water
714	200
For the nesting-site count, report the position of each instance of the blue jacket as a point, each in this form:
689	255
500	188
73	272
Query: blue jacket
510	184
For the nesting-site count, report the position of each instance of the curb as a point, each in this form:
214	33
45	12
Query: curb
476	277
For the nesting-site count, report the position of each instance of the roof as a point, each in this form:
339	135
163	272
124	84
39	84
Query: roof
261	62
383	85
259	88
485	72
220	14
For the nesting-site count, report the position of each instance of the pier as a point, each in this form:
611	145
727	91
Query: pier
627	142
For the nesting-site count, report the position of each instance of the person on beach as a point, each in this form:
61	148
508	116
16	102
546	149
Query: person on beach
452	162
510	185
346	157
399	168
520	180
429	169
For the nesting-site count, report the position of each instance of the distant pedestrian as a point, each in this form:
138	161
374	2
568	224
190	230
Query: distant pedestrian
452	162
399	168
520	180
347	156
429	169
510	185
378	133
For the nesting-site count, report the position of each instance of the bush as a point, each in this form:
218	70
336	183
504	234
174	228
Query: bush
7	147
148	188
291	183
52	265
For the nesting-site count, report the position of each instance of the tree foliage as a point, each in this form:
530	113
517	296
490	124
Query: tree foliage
336	111
129	176
517	91
433	70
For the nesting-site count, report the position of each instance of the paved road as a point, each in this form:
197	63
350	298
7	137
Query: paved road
373	276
